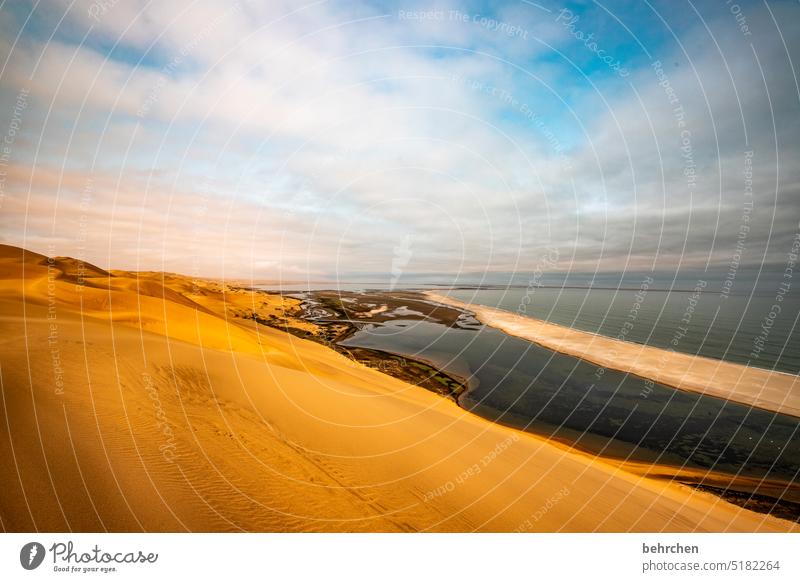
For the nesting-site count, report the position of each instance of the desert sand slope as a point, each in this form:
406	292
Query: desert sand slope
775	391
136	403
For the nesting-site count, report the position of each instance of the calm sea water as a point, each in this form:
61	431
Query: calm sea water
704	323
344	286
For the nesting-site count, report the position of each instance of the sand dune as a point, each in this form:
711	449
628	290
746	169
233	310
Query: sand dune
775	391
149	402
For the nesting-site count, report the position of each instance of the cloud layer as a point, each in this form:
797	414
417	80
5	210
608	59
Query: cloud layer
274	139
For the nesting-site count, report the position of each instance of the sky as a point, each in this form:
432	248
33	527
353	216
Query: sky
367	140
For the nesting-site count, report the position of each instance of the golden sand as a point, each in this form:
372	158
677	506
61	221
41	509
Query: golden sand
141	402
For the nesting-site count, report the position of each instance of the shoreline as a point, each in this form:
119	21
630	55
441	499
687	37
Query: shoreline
769	390
781	500
339	326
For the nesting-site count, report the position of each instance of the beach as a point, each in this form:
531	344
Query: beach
157	402
767	389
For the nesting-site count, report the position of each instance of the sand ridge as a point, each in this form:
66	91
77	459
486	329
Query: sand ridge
150	402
